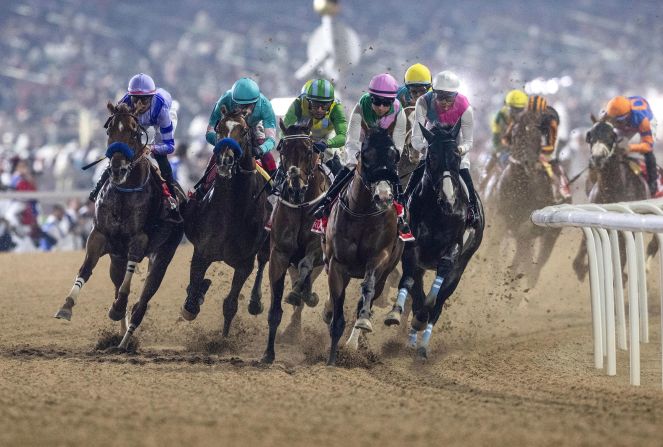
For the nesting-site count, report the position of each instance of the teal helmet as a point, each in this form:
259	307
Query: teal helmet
245	91
320	90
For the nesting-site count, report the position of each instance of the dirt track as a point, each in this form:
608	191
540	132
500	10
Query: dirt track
508	367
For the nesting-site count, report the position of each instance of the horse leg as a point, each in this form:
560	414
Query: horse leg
419	311
117	268
278	264
338	280
547	245
405	284
367	294
255	303
230	302
94	249
301	283
580	261
137	246
197	287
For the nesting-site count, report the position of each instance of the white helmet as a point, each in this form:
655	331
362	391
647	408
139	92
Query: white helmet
446	81
141	85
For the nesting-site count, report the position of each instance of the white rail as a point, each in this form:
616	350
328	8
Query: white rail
600	224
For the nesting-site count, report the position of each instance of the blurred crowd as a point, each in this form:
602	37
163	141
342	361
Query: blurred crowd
64	59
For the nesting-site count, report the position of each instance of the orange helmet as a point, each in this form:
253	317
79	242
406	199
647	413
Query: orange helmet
618	106
537	103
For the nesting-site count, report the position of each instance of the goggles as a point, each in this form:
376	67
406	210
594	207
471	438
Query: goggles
381	101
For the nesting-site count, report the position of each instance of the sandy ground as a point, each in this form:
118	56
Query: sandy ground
509	366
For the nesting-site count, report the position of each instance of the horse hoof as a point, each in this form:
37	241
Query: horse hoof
312	300
422	353
63	314
267	358
188	316
115	315
393	317
294	298
255	307
364	324
417	324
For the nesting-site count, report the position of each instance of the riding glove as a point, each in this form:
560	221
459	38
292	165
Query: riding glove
319	146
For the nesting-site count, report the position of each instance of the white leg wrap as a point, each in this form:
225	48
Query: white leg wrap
412	338
126	283
353	341
402	296
435	288
76	289
425	337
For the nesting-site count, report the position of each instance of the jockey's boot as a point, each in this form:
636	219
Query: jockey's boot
473	206
322	210
561	190
95	191
404	232
171	212
652	173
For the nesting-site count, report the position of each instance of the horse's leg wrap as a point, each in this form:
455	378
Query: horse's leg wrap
125	287
412	338
76	289
425	337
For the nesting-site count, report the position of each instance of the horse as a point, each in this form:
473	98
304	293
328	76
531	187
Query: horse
127	224
361	240
615	179
227	224
444	243
523	187
293	244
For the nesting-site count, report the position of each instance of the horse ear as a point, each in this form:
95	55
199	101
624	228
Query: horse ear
588	137
282	125
428	135
593	118
308	124
111	107
224	110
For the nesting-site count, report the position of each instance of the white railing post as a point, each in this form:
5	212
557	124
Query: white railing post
595	290
619	290
609	301
633	308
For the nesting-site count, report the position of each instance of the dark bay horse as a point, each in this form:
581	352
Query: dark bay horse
126	224
227	224
523	187
293	244
361	240
444	243
615	180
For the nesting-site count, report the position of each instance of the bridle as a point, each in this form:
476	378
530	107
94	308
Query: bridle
309	172
136	138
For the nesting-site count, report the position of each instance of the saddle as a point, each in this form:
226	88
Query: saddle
639	168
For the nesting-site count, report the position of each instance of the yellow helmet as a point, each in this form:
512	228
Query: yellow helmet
418	74
516	98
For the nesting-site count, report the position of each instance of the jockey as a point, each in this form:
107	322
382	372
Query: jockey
329	125
245	95
153	107
632	115
446	106
549	125
377	108
417	82
514	103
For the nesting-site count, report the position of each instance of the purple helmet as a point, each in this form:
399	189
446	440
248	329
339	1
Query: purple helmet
141	85
383	85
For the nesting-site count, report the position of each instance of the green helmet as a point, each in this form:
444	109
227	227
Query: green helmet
320	90
245	91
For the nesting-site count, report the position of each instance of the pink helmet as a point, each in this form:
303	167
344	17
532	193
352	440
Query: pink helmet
383	85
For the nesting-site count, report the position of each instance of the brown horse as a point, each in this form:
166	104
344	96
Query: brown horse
126	224
522	188
615	180
361	240
293	244
227	224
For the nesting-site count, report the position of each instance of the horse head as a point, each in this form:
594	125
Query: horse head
526	139
378	167
232	132
602	140
443	162
298	159
123	126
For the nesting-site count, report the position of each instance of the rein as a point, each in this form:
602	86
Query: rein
138	188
